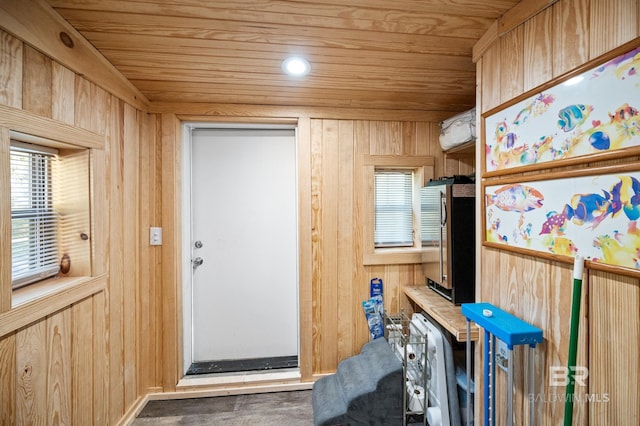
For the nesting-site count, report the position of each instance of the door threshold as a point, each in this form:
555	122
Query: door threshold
241	378
243	365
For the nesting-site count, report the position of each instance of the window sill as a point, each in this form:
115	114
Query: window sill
401	256
34	302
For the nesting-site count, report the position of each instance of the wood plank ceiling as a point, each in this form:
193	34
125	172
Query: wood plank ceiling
412	55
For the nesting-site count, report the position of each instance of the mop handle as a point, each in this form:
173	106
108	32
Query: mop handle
578	267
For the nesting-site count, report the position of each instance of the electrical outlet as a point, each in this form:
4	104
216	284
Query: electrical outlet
502	355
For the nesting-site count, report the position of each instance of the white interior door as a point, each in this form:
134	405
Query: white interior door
244	218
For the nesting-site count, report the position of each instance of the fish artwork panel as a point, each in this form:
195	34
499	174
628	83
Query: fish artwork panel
594	216
593	112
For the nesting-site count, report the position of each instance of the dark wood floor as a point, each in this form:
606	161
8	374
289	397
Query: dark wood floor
265	409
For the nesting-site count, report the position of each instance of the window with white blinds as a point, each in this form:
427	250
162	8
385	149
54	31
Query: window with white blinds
393	195
430	218
34	246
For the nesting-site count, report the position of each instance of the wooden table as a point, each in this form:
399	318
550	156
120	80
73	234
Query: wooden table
441	310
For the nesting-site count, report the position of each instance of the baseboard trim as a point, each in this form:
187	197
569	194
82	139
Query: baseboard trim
133	411
206	392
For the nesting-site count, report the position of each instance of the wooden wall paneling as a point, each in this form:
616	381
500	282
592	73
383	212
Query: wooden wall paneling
130	229
99	198
614	363
92	106
511	64
539	305
8	379
345	238
424	145
316	251
611	23
158	272
570	37
328	267
7	343
11	55
31	374
59	370
36	82
552	298
114	153
101	373
5	220
395	275
62	93
149	256
432	142
361	136
491	78
146	203
171	269
520	13
82	359
305	238
386	138
409	138
538	52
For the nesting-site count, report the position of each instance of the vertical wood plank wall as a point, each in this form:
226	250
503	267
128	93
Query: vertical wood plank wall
89	362
555	41
340	280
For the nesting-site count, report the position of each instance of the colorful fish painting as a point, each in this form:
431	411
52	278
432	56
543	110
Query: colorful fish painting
588	209
573	116
555	223
538	106
624	112
504	136
516	198
629	69
563	246
615	253
625	197
618	64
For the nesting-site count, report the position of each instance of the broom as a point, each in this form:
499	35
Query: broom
578	266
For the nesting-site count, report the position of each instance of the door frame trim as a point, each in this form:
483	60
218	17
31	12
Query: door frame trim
185	285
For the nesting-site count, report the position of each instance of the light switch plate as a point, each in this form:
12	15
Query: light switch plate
155	236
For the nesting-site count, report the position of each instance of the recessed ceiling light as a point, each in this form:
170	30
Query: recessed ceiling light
296	66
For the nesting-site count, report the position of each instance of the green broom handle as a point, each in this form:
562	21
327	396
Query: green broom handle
578	267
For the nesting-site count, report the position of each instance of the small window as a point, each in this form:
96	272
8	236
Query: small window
34	234
393	193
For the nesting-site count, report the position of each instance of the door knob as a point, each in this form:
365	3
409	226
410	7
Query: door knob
197	262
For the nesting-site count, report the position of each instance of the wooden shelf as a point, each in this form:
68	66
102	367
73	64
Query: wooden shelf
444	312
467	148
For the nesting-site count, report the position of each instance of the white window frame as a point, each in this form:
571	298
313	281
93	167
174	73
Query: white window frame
423	170
38	255
394	206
